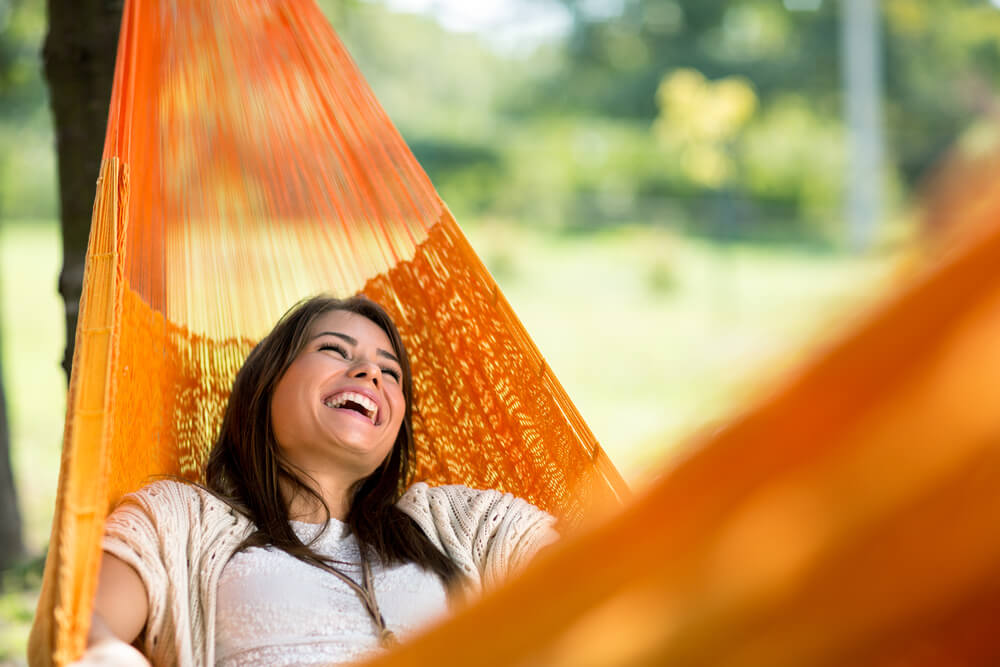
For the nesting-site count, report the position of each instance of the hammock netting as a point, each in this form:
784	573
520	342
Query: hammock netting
849	518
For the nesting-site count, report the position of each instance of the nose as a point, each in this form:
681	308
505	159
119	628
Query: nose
366	370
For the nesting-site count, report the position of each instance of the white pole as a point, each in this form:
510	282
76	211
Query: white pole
862	66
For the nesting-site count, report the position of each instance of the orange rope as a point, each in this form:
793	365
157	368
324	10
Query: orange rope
247	165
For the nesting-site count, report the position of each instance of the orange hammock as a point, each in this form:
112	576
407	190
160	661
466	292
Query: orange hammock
247	164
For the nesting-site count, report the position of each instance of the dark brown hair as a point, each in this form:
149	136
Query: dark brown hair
246	466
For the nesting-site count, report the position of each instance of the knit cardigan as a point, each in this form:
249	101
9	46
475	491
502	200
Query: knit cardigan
178	537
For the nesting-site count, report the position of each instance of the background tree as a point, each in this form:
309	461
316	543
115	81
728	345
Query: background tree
20	96
11	540
79	63
941	61
79	57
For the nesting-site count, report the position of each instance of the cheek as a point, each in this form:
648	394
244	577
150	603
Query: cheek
280	418
399	406
285	408
279	403
398	412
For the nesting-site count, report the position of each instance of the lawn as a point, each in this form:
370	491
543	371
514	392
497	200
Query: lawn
653	335
31	339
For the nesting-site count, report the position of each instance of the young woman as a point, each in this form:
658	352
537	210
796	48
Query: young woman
303	547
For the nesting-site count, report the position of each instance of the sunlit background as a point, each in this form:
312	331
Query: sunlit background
680	198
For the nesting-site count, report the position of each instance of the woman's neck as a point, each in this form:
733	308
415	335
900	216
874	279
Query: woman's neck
304	507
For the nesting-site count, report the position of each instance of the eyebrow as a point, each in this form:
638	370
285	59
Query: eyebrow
354	341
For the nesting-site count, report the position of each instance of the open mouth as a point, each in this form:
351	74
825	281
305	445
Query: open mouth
359	403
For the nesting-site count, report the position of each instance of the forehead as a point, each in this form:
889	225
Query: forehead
351	324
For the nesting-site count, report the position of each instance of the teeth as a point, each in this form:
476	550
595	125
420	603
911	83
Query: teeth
371	408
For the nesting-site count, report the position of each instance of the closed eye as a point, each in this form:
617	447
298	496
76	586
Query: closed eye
339	349
393	373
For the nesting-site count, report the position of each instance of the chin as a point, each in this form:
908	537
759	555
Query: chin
365	463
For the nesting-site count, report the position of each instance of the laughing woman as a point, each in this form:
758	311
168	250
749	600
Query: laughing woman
303	547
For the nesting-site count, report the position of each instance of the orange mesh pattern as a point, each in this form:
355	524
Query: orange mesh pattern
498	441
247	165
487	409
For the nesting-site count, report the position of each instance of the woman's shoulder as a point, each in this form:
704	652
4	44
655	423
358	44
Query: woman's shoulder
450	495
166	491
176	498
457	500
175	512
488	533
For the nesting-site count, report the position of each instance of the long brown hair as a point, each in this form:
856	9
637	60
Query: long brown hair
246	466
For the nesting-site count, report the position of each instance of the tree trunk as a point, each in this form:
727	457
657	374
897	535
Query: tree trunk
79	58
11	542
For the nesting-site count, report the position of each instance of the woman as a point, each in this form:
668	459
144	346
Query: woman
303	548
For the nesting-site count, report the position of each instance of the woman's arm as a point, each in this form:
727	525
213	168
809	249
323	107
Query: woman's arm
121	603
120	612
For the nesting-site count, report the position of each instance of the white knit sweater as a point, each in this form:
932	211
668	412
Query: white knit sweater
179	537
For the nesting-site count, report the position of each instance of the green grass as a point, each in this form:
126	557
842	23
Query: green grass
32	339
655	336
652	335
19	587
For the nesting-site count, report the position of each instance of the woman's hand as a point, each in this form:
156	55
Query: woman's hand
111	652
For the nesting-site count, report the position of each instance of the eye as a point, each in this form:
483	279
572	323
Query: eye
339	349
393	373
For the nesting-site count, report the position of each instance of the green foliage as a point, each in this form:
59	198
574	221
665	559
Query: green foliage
700	121
578	173
27	161
28	171
434	84
756	39
22	23
23	576
941	64
575	134
19	588
942	68
794	153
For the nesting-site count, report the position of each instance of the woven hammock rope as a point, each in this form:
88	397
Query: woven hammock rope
247	164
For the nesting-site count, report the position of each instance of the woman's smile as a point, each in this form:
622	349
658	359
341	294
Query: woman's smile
340	403
357	402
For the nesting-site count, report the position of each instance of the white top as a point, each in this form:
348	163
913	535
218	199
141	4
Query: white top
273	609
179	538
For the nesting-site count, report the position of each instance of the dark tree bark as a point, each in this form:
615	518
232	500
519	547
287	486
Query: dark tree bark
79	58
11	542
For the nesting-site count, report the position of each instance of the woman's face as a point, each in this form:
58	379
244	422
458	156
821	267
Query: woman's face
339	406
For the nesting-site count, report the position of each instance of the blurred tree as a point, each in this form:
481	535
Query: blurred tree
441	89
616	60
21	90
20	94
941	59
11	540
942	70
79	65
26	188
699	121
